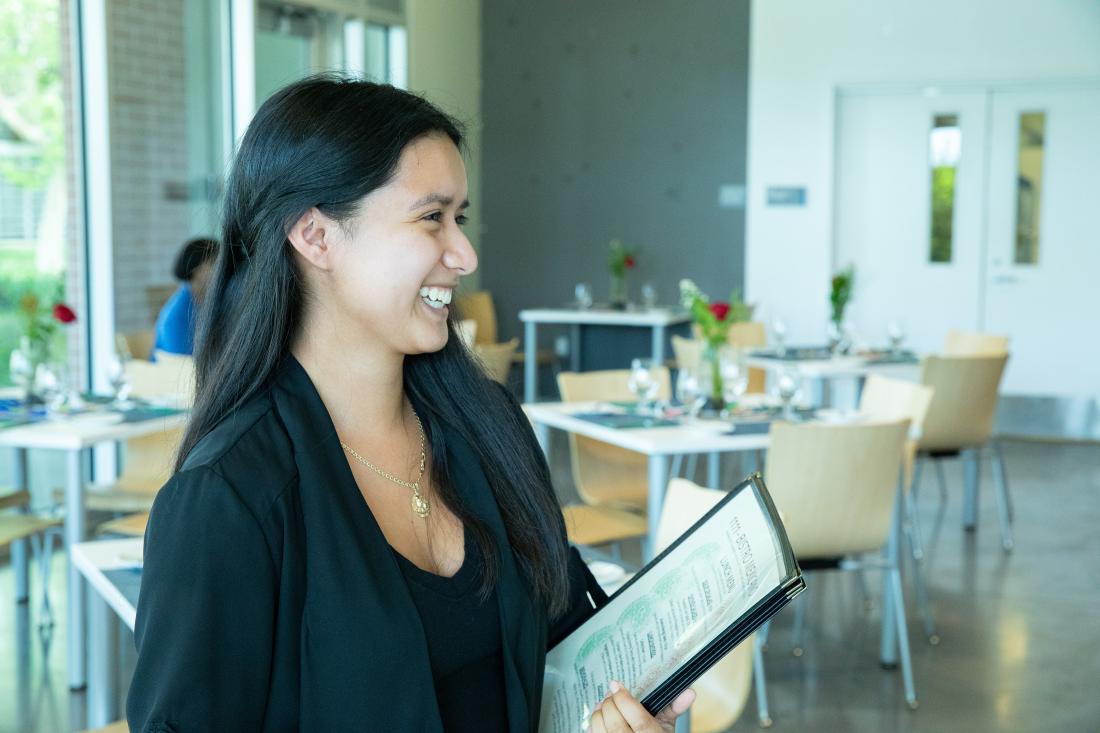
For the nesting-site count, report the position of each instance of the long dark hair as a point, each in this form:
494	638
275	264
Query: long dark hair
328	141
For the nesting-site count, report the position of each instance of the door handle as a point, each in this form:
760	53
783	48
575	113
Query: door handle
1003	279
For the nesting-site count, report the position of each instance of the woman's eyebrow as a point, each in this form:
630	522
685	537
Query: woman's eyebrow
438	198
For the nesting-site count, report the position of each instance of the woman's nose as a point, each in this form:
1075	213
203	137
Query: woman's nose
460	254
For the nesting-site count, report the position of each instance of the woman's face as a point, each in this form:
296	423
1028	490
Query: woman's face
396	263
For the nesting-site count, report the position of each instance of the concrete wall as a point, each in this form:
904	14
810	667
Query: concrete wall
803	50
616	119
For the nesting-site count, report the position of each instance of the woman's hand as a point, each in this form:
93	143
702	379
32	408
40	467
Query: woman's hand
621	713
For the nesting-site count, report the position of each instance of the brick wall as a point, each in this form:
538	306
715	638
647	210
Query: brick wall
148	150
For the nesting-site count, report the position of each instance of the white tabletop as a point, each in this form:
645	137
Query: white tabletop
701	436
84	431
606	316
836	367
93	558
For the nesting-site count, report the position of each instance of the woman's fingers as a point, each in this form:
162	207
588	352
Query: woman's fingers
677	707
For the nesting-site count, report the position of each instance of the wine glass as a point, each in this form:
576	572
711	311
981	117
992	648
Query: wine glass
643	382
649	296
117	375
786	388
896	333
583	294
49	385
735	378
688	392
779	335
22	371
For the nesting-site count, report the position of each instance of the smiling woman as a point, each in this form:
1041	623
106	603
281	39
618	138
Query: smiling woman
361	531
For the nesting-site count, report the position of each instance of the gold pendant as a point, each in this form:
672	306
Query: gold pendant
420	505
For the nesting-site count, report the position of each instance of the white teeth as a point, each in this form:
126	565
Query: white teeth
447	296
423	292
436	297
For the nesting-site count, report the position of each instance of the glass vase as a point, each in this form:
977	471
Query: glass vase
710	378
618	297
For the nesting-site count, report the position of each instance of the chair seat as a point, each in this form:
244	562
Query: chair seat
20	526
118	726
542	356
132	525
601	525
113	498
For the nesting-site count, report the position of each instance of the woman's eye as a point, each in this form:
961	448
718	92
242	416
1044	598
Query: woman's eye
434	216
461	219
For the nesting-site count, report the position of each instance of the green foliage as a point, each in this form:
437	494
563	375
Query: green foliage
620	258
840	292
943	212
713	319
31	99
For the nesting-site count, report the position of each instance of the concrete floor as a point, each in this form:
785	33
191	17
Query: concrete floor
1020	633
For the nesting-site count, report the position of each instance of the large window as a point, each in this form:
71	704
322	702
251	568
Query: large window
944	151
1029	186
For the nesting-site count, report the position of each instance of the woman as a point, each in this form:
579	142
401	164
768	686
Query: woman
175	327
361	533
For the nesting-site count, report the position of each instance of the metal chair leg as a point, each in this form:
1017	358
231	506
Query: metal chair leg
903	638
972	475
677	464
1000	484
692	462
759	680
864	592
922	594
20	565
942	479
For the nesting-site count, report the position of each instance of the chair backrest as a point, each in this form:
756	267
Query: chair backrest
834	485
148	460
884	398
478	307
140	343
965	400
973	343
688	352
467	331
497	359
15	500
721	693
603	473
171	377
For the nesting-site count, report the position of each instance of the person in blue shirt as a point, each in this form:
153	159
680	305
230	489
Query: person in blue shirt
175	329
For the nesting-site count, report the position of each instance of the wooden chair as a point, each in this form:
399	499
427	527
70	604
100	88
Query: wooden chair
960	423
478	307
687	352
888	399
131	525
721	693
612	482
147	467
17	527
140	343
835	487
750	335
170	378
497	359
119	726
973	343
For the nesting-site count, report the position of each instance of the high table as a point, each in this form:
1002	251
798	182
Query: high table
833	368
72	436
657	444
657	319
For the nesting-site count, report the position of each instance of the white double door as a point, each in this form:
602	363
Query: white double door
1049	307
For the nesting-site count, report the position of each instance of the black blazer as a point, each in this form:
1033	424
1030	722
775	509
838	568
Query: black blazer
271	601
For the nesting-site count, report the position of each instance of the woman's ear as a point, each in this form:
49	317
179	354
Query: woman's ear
311	237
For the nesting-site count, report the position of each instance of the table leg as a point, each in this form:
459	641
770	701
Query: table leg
972	475
658	346
658	479
530	362
74	533
19	547
102	665
888	642
714	470
575	347
542	435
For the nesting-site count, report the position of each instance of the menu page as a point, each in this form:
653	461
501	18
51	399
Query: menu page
666	616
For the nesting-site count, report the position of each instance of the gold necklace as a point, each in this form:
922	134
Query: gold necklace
420	505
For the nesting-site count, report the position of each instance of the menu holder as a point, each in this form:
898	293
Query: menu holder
679	615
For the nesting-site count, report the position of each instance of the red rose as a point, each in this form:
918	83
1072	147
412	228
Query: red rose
628	262
63	313
720	310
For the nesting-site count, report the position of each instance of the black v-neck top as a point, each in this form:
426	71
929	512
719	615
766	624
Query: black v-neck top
271	601
464	647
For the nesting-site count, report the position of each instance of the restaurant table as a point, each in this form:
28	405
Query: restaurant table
657	319
72	435
816	363
113	571
658	444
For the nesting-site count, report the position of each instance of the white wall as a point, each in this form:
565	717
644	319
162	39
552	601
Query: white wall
445	67
802	50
